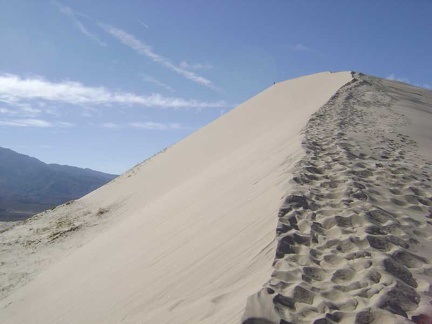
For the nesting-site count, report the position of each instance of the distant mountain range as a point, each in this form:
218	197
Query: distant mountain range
29	186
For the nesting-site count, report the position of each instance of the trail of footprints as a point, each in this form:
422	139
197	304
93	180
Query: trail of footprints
348	237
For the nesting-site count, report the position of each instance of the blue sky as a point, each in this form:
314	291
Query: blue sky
106	84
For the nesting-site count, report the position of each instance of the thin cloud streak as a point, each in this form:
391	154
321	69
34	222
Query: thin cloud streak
19	109
144	49
110	125
393	77
72	14
150	79
15	90
26	123
36	123
149	125
145	25
195	66
299	47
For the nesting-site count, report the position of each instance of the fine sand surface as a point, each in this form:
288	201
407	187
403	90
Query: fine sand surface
310	203
355	230
188	235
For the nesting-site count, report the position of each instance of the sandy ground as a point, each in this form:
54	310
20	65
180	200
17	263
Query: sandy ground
184	237
188	236
354	232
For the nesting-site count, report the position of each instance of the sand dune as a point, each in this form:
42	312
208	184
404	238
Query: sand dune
354	239
188	236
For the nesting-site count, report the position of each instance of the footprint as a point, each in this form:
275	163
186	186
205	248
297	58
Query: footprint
343	275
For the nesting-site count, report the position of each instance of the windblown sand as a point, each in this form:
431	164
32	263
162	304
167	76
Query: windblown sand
188	236
354	233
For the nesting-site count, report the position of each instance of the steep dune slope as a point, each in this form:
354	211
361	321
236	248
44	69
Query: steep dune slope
355	231
191	232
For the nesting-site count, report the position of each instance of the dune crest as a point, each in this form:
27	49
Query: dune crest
184	237
309	203
355	230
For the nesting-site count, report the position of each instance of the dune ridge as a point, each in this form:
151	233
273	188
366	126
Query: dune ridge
188	236
355	230
184	237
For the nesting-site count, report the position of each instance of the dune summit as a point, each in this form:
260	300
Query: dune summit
354	232
309	203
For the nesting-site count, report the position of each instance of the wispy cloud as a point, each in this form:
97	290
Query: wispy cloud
149	125
110	125
19	109
5	111
144	49
394	77
195	66
150	79
145	25
299	47
26	123
73	15
64	124
15	89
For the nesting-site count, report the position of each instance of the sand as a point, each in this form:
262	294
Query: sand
354	233
338	164
188	234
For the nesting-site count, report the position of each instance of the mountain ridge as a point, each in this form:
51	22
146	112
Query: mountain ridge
29	186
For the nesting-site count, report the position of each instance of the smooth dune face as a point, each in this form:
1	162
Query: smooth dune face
191	233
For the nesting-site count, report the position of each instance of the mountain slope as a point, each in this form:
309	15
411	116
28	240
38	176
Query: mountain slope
29	186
